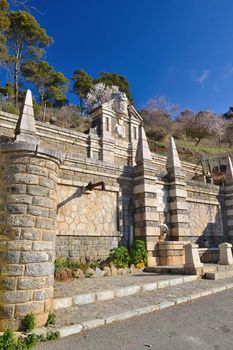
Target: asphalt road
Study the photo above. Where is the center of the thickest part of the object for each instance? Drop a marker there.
(206, 324)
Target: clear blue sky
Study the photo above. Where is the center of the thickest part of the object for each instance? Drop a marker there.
(179, 48)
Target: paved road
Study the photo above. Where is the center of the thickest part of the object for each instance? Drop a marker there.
(205, 324)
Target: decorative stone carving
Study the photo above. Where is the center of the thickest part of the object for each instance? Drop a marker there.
(120, 107)
(120, 130)
(163, 231)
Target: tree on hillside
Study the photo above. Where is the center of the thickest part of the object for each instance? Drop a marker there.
(4, 26)
(51, 85)
(202, 125)
(157, 116)
(26, 41)
(99, 94)
(229, 114)
(82, 84)
(112, 79)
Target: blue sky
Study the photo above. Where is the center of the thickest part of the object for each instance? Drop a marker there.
(179, 48)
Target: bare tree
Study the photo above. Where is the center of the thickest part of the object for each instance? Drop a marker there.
(201, 125)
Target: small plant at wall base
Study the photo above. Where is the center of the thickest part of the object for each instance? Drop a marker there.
(51, 319)
(120, 257)
(138, 254)
(29, 322)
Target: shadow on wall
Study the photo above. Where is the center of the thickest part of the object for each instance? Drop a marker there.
(215, 232)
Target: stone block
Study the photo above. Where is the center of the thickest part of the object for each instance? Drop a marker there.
(9, 257)
(20, 220)
(7, 311)
(38, 211)
(47, 246)
(105, 295)
(39, 269)
(83, 299)
(225, 254)
(38, 170)
(31, 283)
(69, 330)
(16, 208)
(123, 292)
(22, 310)
(36, 190)
(12, 297)
(48, 183)
(44, 294)
(61, 303)
(19, 199)
(25, 179)
(192, 258)
(45, 223)
(8, 283)
(12, 270)
(34, 257)
(17, 189)
(44, 202)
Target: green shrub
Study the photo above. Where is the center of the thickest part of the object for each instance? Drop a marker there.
(120, 257)
(51, 319)
(8, 341)
(138, 253)
(29, 322)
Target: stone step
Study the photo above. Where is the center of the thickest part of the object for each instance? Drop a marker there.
(78, 318)
(142, 285)
(219, 275)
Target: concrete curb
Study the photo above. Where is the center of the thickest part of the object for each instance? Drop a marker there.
(82, 326)
(88, 298)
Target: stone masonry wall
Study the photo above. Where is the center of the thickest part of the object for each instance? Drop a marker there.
(28, 213)
(207, 217)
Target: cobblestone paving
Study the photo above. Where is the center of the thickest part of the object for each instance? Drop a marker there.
(89, 285)
(102, 310)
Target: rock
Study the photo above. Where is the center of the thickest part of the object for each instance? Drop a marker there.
(133, 268)
(107, 271)
(78, 273)
(113, 271)
(125, 271)
(120, 271)
(99, 272)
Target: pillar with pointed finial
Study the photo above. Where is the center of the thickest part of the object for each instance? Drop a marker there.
(145, 199)
(26, 126)
(229, 198)
(179, 221)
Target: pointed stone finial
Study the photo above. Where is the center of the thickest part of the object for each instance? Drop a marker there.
(143, 150)
(26, 127)
(229, 171)
(173, 160)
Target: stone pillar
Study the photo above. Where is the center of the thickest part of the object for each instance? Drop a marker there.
(225, 254)
(193, 265)
(179, 220)
(145, 202)
(28, 188)
(229, 199)
(28, 210)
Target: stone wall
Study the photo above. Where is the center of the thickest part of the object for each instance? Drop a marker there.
(28, 213)
(207, 217)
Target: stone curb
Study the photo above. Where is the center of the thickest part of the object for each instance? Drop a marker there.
(88, 298)
(75, 329)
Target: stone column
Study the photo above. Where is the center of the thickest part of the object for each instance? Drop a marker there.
(179, 220)
(28, 188)
(145, 202)
(229, 199)
(28, 210)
